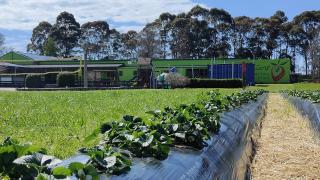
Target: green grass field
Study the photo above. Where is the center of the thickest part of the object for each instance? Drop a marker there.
(59, 121)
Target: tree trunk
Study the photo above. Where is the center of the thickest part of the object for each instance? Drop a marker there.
(294, 60)
(306, 62)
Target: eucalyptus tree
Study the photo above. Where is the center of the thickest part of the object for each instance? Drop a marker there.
(241, 33)
(66, 33)
(199, 13)
(273, 29)
(115, 45)
(200, 31)
(130, 44)
(50, 48)
(94, 39)
(163, 24)
(40, 35)
(199, 38)
(220, 23)
(181, 37)
(149, 42)
(314, 53)
(309, 21)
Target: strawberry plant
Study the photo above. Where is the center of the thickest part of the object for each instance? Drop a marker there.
(313, 96)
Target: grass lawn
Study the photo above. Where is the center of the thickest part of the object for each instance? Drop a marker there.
(59, 121)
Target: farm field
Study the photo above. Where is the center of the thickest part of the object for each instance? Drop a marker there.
(59, 121)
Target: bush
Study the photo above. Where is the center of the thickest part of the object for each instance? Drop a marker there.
(66, 79)
(176, 80)
(51, 78)
(34, 81)
(215, 83)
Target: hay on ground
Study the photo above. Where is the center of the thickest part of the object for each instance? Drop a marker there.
(287, 148)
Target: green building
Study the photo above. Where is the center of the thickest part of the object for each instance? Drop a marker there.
(266, 71)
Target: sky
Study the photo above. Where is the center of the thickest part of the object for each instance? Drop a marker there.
(19, 17)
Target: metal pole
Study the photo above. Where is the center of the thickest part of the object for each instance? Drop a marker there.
(211, 76)
(85, 74)
(232, 71)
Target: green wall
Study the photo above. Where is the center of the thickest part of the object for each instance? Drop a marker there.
(266, 71)
(272, 71)
(127, 73)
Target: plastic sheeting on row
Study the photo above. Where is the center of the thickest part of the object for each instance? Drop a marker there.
(226, 157)
(307, 109)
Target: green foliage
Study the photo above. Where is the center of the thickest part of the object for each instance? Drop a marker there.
(66, 33)
(61, 172)
(313, 96)
(34, 81)
(11, 165)
(105, 159)
(39, 37)
(50, 48)
(66, 79)
(215, 83)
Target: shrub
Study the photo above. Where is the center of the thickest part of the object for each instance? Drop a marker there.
(215, 83)
(176, 80)
(50, 78)
(66, 79)
(34, 81)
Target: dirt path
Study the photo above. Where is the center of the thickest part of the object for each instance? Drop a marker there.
(288, 148)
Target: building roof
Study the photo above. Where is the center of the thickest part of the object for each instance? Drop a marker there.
(9, 64)
(37, 57)
(73, 66)
(16, 55)
(4, 64)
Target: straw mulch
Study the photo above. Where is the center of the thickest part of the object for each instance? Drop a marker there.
(287, 148)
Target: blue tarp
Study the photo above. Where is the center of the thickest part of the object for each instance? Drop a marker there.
(232, 71)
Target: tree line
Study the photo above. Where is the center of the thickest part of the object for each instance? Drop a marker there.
(199, 33)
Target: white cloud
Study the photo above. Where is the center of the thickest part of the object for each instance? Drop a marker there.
(124, 15)
(26, 14)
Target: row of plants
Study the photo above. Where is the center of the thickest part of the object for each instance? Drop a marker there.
(313, 96)
(188, 126)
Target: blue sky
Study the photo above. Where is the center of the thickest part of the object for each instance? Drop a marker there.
(17, 18)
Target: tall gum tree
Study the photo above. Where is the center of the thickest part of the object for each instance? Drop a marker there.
(66, 33)
(94, 39)
(40, 35)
